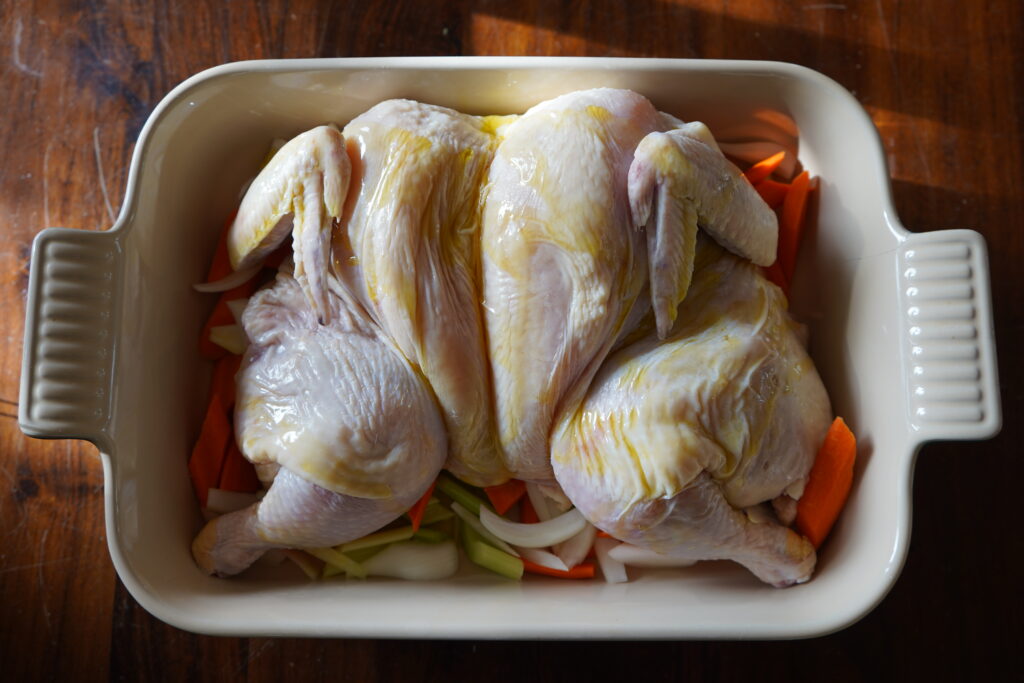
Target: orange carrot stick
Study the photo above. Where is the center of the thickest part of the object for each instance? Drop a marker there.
(580, 571)
(764, 168)
(222, 315)
(527, 515)
(504, 496)
(416, 511)
(773, 193)
(207, 458)
(791, 223)
(223, 384)
(775, 275)
(829, 483)
(238, 474)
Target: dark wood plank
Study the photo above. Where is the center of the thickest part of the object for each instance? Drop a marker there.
(943, 82)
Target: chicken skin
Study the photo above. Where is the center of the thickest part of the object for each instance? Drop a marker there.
(677, 437)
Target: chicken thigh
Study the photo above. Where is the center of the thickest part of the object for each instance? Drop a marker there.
(352, 427)
(677, 437)
(406, 250)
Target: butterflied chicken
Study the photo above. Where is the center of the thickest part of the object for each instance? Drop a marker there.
(679, 439)
(407, 251)
(565, 260)
(351, 426)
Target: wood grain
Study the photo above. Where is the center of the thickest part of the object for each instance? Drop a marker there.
(943, 81)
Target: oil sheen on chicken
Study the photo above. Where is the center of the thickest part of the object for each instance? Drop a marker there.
(407, 251)
(677, 437)
(352, 427)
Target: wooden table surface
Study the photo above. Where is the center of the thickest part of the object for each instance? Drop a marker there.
(943, 81)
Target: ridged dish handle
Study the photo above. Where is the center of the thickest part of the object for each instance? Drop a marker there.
(948, 336)
(66, 376)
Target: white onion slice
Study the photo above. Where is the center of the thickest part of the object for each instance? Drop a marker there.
(575, 550)
(543, 558)
(222, 502)
(472, 520)
(642, 557)
(415, 561)
(539, 535)
(230, 337)
(540, 502)
(239, 277)
(613, 570)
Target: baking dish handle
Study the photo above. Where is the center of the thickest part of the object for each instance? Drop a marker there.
(948, 336)
(70, 313)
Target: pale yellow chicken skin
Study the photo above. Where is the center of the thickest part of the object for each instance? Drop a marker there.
(406, 249)
(677, 437)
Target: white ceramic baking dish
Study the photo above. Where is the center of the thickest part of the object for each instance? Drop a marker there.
(901, 332)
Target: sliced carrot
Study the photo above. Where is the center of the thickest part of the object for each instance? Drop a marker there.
(791, 223)
(764, 168)
(238, 474)
(416, 511)
(222, 315)
(207, 458)
(775, 275)
(527, 515)
(604, 534)
(504, 496)
(223, 384)
(829, 483)
(773, 193)
(580, 571)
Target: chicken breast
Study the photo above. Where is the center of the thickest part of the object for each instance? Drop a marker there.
(562, 261)
(676, 437)
(407, 251)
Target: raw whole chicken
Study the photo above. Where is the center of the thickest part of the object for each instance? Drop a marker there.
(678, 439)
(565, 261)
(406, 250)
(458, 285)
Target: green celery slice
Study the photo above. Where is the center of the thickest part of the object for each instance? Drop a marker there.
(430, 535)
(435, 512)
(339, 560)
(380, 538)
(461, 495)
(363, 554)
(489, 557)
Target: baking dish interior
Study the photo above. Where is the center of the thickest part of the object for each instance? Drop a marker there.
(208, 138)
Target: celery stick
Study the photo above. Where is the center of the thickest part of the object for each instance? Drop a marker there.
(489, 557)
(430, 535)
(435, 513)
(461, 495)
(332, 556)
(380, 538)
(363, 554)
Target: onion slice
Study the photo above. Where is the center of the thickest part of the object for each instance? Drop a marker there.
(415, 561)
(575, 550)
(613, 570)
(642, 557)
(539, 535)
(473, 521)
(543, 558)
(239, 277)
